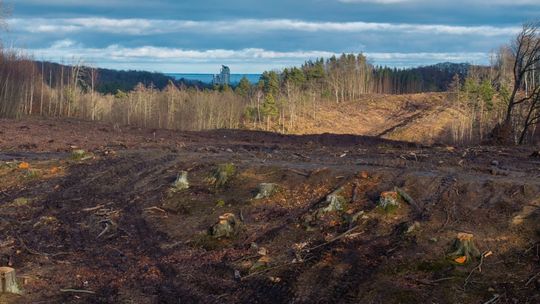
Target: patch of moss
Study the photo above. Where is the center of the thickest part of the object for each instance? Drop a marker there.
(389, 201)
(8, 165)
(46, 221)
(220, 203)
(31, 174)
(77, 154)
(258, 266)
(80, 154)
(21, 201)
(388, 209)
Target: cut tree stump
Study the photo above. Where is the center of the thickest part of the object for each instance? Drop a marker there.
(266, 190)
(227, 227)
(8, 281)
(181, 182)
(464, 249)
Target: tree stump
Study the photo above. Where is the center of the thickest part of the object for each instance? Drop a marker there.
(223, 174)
(464, 249)
(227, 227)
(8, 281)
(389, 201)
(266, 190)
(181, 183)
(335, 201)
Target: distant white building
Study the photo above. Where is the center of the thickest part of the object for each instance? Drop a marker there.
(224, 77)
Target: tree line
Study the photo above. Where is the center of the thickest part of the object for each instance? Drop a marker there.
(110, 81)
(500, 101)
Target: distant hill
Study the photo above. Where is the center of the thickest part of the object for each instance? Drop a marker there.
(430, 78)
(110, 81)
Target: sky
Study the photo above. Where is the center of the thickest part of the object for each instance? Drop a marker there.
(251, 36)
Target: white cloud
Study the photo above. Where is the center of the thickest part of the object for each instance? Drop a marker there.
(67, 48)
(245, 60)
(157, 26)
(62, 44)
(409, 59)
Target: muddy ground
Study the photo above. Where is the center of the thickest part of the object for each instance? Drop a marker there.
(106, 227)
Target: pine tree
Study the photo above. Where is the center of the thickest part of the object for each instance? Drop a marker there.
(271, 83)
(244, 87)
(269, 109)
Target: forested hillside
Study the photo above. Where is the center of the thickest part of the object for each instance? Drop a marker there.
(108, 81)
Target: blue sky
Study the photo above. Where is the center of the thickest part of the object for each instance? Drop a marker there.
(253, 36)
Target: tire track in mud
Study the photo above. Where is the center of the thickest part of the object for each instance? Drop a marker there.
(361, 258)
(123, 185)
(135, 180)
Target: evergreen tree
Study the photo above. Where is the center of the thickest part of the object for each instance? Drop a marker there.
(486, 92)
(271, 83)
(269, 109)
(244, 87)
(296, 77)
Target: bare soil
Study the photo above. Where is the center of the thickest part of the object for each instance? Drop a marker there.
(107, 229)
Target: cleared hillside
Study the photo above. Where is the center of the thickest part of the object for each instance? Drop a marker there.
(109, 224)
(425, 118)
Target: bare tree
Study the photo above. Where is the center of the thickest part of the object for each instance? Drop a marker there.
(533, 113)
(93, 79)
(526, 52)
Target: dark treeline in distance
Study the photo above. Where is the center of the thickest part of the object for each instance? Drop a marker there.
(348, 76)
(333, 71)
(108, 81)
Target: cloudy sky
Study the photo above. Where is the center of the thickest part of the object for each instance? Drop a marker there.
(256, 35)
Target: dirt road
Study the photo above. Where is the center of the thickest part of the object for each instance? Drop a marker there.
(106, 227)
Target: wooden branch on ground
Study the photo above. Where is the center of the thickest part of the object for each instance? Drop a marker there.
(532, 279)
(339, 237)
(77, 291)
(299, 172)
(266, 270)
(434, 282)
(495, 299)
(478, 267)
(34, 252)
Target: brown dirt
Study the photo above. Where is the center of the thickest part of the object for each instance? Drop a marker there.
(156, 249)
(425, 118)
